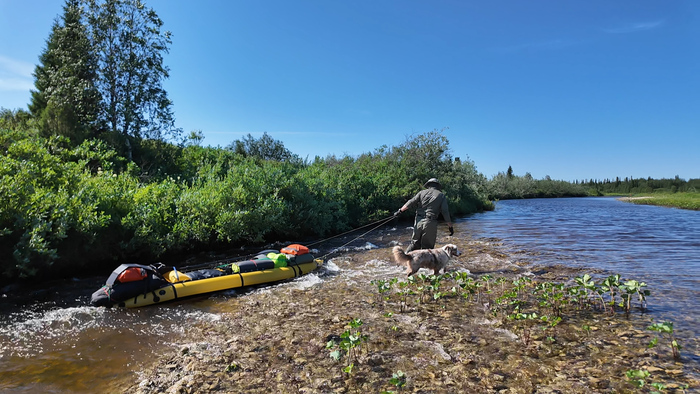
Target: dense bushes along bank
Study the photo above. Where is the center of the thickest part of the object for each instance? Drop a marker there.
(65, 208)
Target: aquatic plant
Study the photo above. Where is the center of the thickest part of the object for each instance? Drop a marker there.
(384, 286)
(666, 328)
(630, 288)
(487, 280)
(659, 386)
(637, 377)
(398, 379)
(588, 284)
(349, 343)
(348, 369)
(586, 328)
(610, 285)
(404, 292)
(552, 295)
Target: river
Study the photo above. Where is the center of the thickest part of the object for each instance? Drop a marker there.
(50, 341)
(656, 245)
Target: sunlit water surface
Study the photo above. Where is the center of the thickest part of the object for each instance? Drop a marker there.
(656, 245)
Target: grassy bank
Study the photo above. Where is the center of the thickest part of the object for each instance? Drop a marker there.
(674, 200)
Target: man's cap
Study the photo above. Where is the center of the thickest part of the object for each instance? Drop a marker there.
(433, 181)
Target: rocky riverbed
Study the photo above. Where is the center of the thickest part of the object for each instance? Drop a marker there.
(408, 339)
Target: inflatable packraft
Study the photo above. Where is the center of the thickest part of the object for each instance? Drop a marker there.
(135, 285)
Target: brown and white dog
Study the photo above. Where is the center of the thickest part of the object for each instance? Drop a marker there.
(434, 259)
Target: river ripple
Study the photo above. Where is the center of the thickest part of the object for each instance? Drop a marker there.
(657, 245)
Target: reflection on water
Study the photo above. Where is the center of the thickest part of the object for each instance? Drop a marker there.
(657, 245)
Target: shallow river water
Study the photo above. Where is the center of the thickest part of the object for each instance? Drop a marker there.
(50, 341)
(656, 245)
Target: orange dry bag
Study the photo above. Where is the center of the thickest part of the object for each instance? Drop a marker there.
(295, 249)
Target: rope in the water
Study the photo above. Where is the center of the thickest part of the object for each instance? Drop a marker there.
(224, 262)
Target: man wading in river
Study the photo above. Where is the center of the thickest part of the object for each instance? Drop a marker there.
(429, 203)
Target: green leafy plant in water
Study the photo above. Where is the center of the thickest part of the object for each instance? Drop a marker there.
(398, 379)
(519, 284)
(430, 287)
(510, 298)
(501, 280)
(350, 343)
(653, 342)
(552, 295)
(466, 284)
(551, 322)
(610, 285)
(630, 288)
(384, 286)
(586, 328)
(404, 291)
(637, 377)
(487, 280)
(348, 369)
(658, 386)
(666, 328)
(589, 285)
(523, 316)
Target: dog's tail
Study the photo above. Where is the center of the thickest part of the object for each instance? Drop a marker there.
(400, 256)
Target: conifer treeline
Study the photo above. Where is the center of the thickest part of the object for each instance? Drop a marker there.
(630, 185)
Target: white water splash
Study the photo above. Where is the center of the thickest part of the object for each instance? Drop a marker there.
(366, 246)
(29, 333)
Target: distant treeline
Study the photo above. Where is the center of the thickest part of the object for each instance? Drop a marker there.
(640, 185)
(506, 186)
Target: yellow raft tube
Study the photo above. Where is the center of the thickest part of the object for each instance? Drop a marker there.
(174, 291)
(176, 285)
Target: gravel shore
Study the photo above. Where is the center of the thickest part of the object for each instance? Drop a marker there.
(276, 340)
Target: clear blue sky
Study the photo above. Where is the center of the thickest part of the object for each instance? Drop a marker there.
(569, 89)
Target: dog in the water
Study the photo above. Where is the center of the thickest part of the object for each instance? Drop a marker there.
(434, 259)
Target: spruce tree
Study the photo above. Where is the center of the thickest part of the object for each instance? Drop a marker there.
(66, 101)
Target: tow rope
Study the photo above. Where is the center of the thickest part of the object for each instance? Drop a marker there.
(223, 262)
(381, 223)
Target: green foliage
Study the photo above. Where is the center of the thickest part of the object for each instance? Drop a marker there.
(374, 184)
(666, 330)
(66, 206)
(505, 186)
(264, 148)
(398, 379)
(45, 201)
(348, 344)
(129, 43)
(637, 377)
(18, 122)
